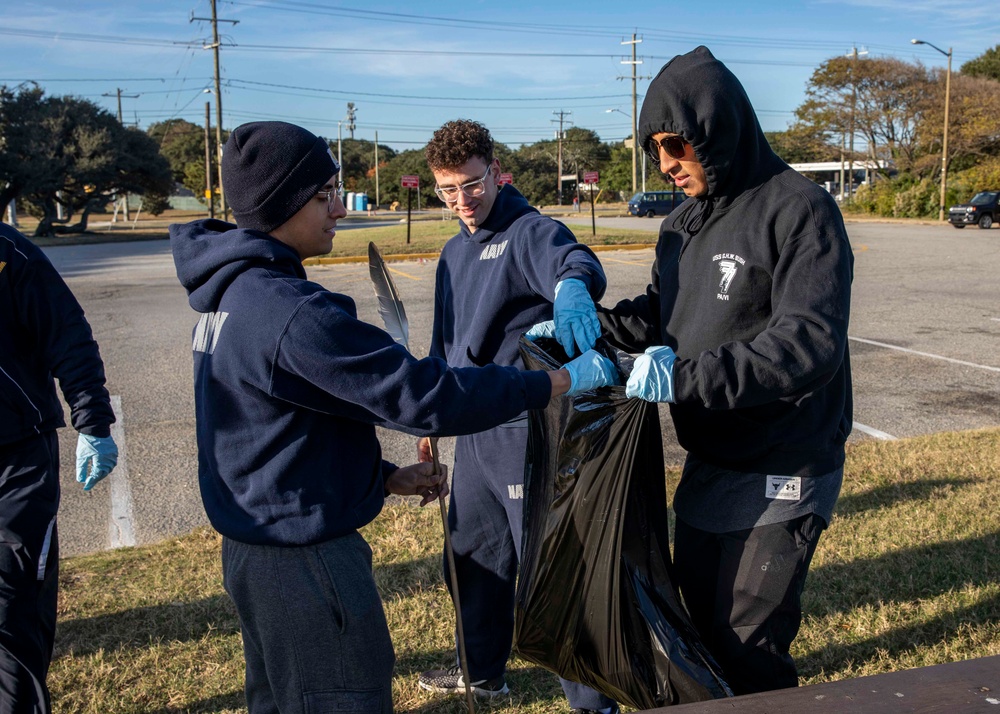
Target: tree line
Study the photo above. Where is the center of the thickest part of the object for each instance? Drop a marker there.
(896, 111)
(533, 166)
(65, 157)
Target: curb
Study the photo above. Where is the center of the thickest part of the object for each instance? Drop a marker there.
(401, 257)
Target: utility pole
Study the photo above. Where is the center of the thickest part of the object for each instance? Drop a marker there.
(218, 99)
(843, 141)
(208, 160)
(562, 116)
(635, 114)
(351, 112)
(854, 101)
(119, 94)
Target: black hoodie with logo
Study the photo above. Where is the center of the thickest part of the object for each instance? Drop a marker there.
(751, 287)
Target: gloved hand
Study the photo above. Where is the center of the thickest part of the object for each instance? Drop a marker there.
(590, 371)
(96, 457)
(542, 329)
(575, 316)
(652, 375)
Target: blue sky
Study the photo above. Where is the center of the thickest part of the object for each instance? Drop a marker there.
(411, 66)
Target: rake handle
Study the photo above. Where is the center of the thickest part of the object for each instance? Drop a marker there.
(450, 552)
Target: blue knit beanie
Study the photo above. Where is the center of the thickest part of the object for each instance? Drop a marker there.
(270, 169)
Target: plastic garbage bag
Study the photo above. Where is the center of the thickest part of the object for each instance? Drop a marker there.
(595, 599)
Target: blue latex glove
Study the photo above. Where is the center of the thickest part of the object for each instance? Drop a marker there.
(575, 316)
(652, 375)
(96, 457)
(542, 329)
(590, 371)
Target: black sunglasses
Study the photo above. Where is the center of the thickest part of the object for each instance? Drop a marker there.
(675, 147)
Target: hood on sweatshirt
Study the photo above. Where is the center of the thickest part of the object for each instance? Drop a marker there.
(696, 96)
(209, 254)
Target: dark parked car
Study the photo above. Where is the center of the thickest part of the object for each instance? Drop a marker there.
(653, 203)
(983, 210)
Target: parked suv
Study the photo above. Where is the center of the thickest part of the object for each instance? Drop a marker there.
(652, 203)
(982, 209)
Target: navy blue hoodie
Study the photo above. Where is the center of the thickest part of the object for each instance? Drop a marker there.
(751, 288)
(494, 284)
(44, 335)
(289, 385)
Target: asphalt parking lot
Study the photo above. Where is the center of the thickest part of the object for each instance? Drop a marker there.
(924, 349)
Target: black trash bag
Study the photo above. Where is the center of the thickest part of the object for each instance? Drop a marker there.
(595, 599)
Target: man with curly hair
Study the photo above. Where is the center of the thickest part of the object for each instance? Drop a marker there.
(507, 269)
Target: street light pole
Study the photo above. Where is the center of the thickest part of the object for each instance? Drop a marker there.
(208, 161)
(340, 158)
(615, 109)
(635, 114)
(944, 141)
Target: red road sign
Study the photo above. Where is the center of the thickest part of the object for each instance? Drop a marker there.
(410, 181)
(506, 178)
(590, 176)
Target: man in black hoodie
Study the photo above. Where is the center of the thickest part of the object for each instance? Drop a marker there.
(744, 328)
(44, 337)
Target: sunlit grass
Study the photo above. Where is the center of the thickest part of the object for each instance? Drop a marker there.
(906, 576)
(430, 236)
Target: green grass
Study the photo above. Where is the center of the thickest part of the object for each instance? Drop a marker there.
(428, 232)
(430, 236)
(906, 576)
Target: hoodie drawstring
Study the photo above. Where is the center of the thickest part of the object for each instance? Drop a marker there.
(693, 218)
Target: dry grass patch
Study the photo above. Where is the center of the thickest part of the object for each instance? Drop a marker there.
(906, 576)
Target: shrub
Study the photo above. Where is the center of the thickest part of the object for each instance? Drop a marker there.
(920, 200)
(874, 199)
(965, 184)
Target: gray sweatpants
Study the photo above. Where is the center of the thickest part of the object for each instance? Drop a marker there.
(315, 636)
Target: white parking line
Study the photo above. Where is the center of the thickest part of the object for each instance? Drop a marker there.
(926, 354)
(120, 531)
(874, 432)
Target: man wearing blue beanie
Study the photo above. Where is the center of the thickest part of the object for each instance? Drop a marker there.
(289, 386)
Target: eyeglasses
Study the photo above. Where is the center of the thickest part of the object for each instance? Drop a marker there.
(331, 195)
(449, 194)
(675, 147)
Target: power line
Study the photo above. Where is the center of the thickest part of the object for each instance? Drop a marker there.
(424, 97)
(493, 25)
(183, 44)
(101, 39)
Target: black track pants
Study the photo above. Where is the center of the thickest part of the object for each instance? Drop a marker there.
(743, 590)
(29, 571)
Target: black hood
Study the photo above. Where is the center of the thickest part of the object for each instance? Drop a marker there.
(696, 96)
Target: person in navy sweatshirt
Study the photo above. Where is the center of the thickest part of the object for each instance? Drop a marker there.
(44, 336)
(743, 332)
(289, 386)
(508, 268)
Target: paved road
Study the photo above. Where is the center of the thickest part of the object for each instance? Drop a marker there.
(924, 337)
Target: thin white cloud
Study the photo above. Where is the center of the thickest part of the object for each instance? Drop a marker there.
(937, 12)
